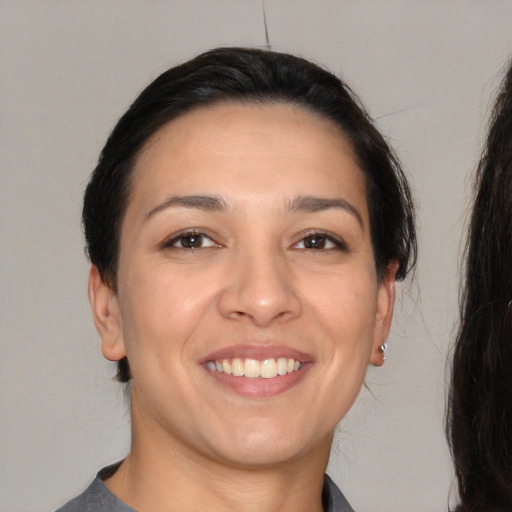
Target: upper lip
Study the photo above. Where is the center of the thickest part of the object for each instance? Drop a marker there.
(258, 352)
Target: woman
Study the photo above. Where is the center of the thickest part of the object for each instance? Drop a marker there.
(479, 422)
(245, 224)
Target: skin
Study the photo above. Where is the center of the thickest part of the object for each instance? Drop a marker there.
(251, 283)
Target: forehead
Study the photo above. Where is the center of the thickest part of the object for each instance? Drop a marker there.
(233, 149)
(226, 115)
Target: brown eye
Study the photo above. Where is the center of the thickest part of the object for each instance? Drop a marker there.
(314, 242)
(321, 242)
(190, 240)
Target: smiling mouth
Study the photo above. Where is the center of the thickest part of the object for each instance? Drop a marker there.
(254, 368)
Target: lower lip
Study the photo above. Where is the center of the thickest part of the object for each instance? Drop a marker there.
(259, 387)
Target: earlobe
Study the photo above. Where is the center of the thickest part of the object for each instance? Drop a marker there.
(107, 316)
(384, 315)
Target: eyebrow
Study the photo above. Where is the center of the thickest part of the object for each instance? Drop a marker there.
(304, 203)
(199, 202)
(317, 204)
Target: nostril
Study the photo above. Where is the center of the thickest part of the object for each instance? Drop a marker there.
(261, 292)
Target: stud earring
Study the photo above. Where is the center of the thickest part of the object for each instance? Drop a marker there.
(383, 349)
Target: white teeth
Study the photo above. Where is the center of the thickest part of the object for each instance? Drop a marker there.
(282, 366)
(252, 368)
(238, 367)
(268, 368)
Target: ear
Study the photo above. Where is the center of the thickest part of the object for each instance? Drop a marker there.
(107, 316)
(384, 315)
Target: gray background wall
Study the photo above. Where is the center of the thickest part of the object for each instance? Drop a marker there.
(425, 69)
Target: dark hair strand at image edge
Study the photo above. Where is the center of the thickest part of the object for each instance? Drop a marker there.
(479, 416)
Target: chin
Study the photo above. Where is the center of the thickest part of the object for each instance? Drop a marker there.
(259, 447)
(257, 456)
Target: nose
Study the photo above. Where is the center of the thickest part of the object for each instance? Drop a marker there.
(261, 290)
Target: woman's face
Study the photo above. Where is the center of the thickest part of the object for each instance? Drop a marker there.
(245, 249)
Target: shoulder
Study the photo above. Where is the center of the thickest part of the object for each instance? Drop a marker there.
(97, 498)
(333, 499)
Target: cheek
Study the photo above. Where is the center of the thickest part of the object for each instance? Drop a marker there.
(345, 312)
(346, 302)
(160, 310)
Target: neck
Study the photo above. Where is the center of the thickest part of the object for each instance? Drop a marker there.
(161, 474)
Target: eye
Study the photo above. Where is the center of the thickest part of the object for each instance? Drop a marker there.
(320, 241)
(190, 240)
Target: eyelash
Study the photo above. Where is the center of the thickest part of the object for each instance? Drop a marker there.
(323, 237)
(336, 241)
(171, 244)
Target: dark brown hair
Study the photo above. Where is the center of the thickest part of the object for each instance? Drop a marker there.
(479, 420)
(250, 76)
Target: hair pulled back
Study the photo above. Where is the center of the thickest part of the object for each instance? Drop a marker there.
(247, 76)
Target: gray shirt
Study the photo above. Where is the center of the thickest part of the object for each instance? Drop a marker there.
(97, 498)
